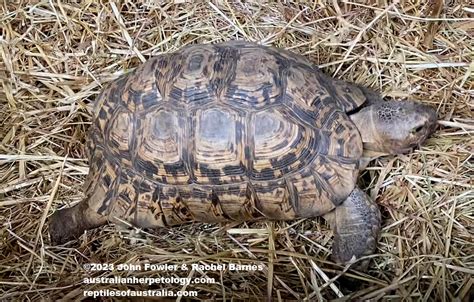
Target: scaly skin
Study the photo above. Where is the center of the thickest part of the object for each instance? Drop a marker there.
(356, 226)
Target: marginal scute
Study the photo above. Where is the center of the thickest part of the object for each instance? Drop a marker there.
(140, 90)
(336, 175)
(123, 203)
(103, 110)
(173, 208)
(347, 96)
(199, 201)
(345, 140)
(237, 201)
(306, 88)
(275, 200)
(314, 194)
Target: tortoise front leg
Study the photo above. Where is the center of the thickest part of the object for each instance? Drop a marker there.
(356, 226)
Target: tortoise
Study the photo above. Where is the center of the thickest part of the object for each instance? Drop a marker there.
(235, 132)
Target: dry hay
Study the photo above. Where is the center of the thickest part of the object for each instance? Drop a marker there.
(56, 57)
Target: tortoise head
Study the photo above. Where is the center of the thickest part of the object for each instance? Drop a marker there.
(394, 127)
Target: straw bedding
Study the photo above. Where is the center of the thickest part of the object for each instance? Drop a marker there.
(55, 58)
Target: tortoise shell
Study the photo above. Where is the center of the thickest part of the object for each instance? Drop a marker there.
(231, 131)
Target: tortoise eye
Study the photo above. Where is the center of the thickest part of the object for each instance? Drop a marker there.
(417, 129)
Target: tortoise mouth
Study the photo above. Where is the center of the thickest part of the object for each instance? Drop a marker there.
(416, 141)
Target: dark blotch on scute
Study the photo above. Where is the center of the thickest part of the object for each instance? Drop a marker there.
(265, 174)
(149, 99)
(213, 174)
(284, 162)
(175, 169)
(339, 129)
(308, 116)
(233, 170)
(215, 199)
(195, 62)
(176, 94)
(144, 187)
(325, 175)
(148, 167)
(156, 194)
(124, 196)
(120, 85)
(136, 183)
(225, 55)
(102, 114)
(172, 192)
(320, 142)
(107, 180)
(248, 152)
(215, 180)
(289, 159)
(104, 207)
(216, 202)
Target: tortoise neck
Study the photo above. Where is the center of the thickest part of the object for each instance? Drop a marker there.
(364, 121)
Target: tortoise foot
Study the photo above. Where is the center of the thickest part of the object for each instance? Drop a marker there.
(63, 226)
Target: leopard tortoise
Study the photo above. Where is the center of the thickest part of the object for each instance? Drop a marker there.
(235, 132)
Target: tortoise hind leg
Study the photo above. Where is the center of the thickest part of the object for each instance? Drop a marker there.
(70, 223)
(356, 226)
